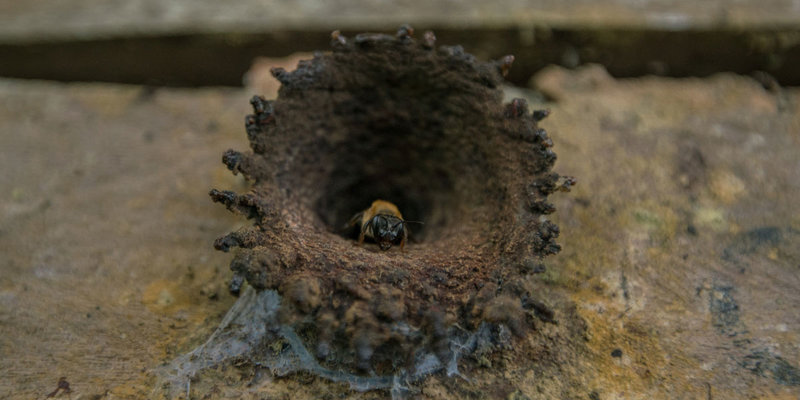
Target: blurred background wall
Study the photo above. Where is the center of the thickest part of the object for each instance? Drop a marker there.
(206, 42)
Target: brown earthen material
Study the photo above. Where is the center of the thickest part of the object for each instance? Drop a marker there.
(390, 117)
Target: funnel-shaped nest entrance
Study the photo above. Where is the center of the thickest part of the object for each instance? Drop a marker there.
(386, 117)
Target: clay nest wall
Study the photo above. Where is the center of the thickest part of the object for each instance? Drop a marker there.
(394, 118)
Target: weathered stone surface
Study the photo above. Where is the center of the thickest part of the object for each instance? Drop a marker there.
(105, 231)
(679, 244)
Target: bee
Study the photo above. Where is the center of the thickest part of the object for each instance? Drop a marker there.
(382, 222)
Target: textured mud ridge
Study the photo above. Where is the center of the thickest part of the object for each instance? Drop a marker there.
(395, 118)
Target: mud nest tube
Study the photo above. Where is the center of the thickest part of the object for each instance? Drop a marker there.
(393, 118)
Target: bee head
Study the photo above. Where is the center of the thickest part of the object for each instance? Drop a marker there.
(387, 230)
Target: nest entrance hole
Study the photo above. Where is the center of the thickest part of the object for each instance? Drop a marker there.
(388, 166)
(417, 148)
